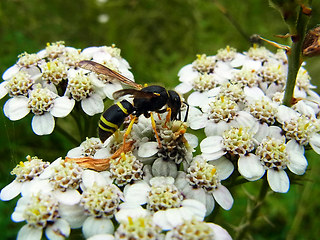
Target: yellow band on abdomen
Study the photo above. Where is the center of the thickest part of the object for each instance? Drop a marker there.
(105, 129)
(109, 124)
(122, 108)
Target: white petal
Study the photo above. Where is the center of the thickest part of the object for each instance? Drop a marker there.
(285, 113)
(197, 208)
(35, 186)
(210, 203)
(28, 232)
(136, 193)
(148, 149)
(73, 214)
(167, 219)
(102, 237)
(133, 211)
(92, 105)
(197, 98)
(60, 229)
(10, 191)
(278, 180)
(213, 156)
(211, 144)
(183, 88)
(90, 177)
(3, 89)
(16, 108)
(297, 161)
(253, 93)
(213, 129)
(275, 132)
(245, 119)
(223, 197)
(198, 121)
(314, 142)
(62, 106)
(224, 167)
(93, 226)
(250, 167)
(191, 139)
(219, 232)
(69, 197)
(75, 152)
(111, 88)
(43, 124)
(10, 72)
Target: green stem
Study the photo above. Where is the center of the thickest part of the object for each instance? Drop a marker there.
(253, 214)
(295, 57)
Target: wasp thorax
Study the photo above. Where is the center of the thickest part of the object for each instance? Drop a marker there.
(101, 201)
(28, 170)
(54, 71)
(223, 109)
(41, 100)
(41, 210)
(20, 84)
(200, 174)
(79, 86)
(28, 60)
(272, 153)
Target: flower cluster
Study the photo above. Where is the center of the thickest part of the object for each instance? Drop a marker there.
(145, 180)
(236, 98)
(49, 83)
(140, 187)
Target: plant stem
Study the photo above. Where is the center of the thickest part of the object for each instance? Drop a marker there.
(295, 57)
(253, 213)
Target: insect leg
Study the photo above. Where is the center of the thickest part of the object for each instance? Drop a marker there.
(168, 117)
(155, 130)
(126, 134)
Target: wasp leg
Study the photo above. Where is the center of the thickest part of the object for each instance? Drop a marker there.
(126, 134)
(168, 117)
(155, 130)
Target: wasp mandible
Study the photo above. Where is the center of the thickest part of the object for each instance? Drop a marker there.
(153, 98)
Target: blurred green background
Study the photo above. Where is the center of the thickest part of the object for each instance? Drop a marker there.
(157, 38)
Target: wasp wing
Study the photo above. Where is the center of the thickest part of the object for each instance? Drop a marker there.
(135, 93)
(100, 69)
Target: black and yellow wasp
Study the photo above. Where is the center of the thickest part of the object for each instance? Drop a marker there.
(146, 100)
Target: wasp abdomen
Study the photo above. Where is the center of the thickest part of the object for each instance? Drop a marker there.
(113, 118)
